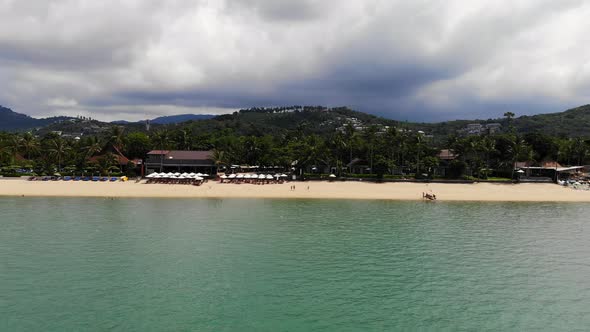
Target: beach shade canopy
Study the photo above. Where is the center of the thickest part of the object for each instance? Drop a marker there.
(204, 175)
(262, 176)
(520, 171)
(199, 174)
(232, 176)
(152, 175)
(332, 175)
(247, 176)
(169, 174)
(269, 177)
(240, 176)
(223, 176)
(192, 174)
(177, 174)
(184, 174)
(198, 178)
(284, 175)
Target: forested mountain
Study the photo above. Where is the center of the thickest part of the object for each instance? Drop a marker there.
(571, 123)
(171, 119)
(308, 119)
(10, 120)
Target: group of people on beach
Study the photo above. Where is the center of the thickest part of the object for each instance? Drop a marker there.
(428, 195)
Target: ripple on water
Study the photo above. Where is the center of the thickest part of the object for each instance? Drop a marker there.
(292, 265)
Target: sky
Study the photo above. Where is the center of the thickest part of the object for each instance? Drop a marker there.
(413, 60)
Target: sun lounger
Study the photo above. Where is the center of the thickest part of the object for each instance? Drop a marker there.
(96, 178)
(67, 178)
(113, 179)
(77, 178)
(104, 179)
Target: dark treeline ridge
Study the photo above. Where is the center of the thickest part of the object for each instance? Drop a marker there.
(309, 139)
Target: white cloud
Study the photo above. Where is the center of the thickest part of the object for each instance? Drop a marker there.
(430, 59)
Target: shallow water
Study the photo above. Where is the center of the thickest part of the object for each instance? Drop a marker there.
(292, 265)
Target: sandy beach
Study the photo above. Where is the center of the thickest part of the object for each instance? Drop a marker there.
(528, 192)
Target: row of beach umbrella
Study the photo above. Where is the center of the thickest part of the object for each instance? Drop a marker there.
(194, 176)
(254, 176)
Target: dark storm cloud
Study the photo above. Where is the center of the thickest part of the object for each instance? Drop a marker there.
(419, 60)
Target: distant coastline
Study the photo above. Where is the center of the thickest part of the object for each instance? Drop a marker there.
(484, 192)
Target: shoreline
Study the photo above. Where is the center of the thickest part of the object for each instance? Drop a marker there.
(477, 192)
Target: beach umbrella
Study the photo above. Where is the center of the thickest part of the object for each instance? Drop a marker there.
(284, 175)
(191, 174)
(205, 175)
(223, 176)
(232, 176)
(199, 174)
(332, 175)
(520, 171)
(240, 176)
(261, 176)
(247, 176)
(269, 177)
(198, 178)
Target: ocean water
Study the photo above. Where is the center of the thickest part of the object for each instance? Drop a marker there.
(292, 265)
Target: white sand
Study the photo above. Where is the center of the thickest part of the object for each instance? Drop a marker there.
(317, 190)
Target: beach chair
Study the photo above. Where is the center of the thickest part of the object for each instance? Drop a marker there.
(86, 178)
(67, 178)
(77, 178)
(113, 179)
(104, 179)
(96, 178)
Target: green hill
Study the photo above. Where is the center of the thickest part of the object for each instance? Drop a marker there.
(571, 123)
(309, 120)
(12, 121)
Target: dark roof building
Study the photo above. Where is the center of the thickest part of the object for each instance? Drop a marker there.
(176, 160)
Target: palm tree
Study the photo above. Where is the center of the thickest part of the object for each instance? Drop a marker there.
(350, 138)
(579, 150)
(185, 141)
(57, 149)
(518, 150)
(161, 140)
(391, 136)
(220, 158)
(338, 145)
(371, 136)
(8, 148)
(29, 145)
(488, 145)
(94, 146)
(107, 163)
(117, 137)
(6, 154)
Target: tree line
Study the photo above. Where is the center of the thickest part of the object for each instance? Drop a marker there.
(384, 152)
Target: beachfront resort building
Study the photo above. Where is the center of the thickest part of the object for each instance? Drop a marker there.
(179, 161)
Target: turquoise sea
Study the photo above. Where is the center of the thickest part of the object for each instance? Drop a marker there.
(292, 265)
